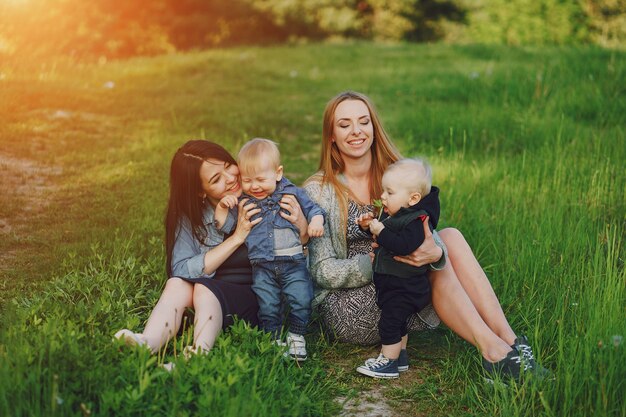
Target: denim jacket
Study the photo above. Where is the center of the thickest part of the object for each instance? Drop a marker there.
(260, 241)
(188, 253)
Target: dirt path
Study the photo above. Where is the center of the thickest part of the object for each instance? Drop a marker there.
(367, 404)
(25, 184)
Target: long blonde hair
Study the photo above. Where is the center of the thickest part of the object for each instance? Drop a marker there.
(331, 165)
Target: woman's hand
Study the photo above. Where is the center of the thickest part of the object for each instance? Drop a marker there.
(427, 253)
(244, 224)
(295, 216)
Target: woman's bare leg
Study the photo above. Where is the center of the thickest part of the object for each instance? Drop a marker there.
(208, 318)
(476, 284)
(456, 310)
(166, 316)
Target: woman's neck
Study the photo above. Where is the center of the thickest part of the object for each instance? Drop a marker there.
(358, 169)
(357, 174)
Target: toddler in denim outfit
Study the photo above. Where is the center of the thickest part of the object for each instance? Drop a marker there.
(279, 267)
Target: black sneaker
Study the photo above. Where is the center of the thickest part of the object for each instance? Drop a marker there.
(511, 367)
(380, 368)
(403, 361)
(526, 352)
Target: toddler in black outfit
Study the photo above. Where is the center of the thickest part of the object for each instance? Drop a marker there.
(401, 290)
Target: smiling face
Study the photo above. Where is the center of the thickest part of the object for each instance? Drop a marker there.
(261, 182)
(353, 132)
(219, 179)
(398, 192)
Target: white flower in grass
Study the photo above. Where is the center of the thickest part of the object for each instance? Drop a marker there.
(617, 340)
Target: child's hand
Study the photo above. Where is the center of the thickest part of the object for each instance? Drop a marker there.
(364, 220)
(221, 210)
(316, 227)
(228, 201)
(376, 227)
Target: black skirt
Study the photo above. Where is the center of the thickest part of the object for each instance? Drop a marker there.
(232, 287)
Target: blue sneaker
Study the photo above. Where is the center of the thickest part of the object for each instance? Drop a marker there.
(403, 361)
(380, 368)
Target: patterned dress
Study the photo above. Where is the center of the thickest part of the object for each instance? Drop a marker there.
(351, 315)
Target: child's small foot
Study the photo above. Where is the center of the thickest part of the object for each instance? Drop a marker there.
(403, 361)
(279, 343)
(190, 351)
(297, 347)
(381, 367)
(130, 338)
(169, 366)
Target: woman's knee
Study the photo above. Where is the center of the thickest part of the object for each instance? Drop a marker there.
(451, 235)
(178, 285)
(202, 296)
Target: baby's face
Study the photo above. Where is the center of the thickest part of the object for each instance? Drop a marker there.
(396, 192)
(261, 183)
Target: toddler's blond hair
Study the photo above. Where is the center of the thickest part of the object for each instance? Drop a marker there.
(256, 153)
(416, 173)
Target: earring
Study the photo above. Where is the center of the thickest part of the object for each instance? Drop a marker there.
(204, 199)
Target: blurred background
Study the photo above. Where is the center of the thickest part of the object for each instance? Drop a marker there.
(106, 29)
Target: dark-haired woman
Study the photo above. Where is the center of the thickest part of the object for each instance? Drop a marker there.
(208, 270)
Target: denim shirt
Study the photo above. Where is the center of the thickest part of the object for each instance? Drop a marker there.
(188, 253)
(260, 241)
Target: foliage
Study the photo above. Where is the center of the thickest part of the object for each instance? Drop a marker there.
(105, 28)
(606, 21)
(372, 19)
(540, 22)
(110, 29)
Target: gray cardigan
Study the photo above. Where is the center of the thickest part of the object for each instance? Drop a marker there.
(328, 255)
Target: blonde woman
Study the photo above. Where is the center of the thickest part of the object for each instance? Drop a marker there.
(356, 150)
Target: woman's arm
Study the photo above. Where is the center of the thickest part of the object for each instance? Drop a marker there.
(329, 268)
(216, 257)
(189, 261)
(331, 271)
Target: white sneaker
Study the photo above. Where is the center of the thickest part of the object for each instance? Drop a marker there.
(279, 343)
(130, 338)
(169, 366)
(297, 347)
(190, 351)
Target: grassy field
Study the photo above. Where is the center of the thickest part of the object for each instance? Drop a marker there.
(528, 146)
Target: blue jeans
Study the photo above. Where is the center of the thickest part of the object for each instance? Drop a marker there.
(286, 276)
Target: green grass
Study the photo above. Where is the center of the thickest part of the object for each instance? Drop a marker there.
(528, 147)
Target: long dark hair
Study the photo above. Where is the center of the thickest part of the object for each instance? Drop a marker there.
(185, 201)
